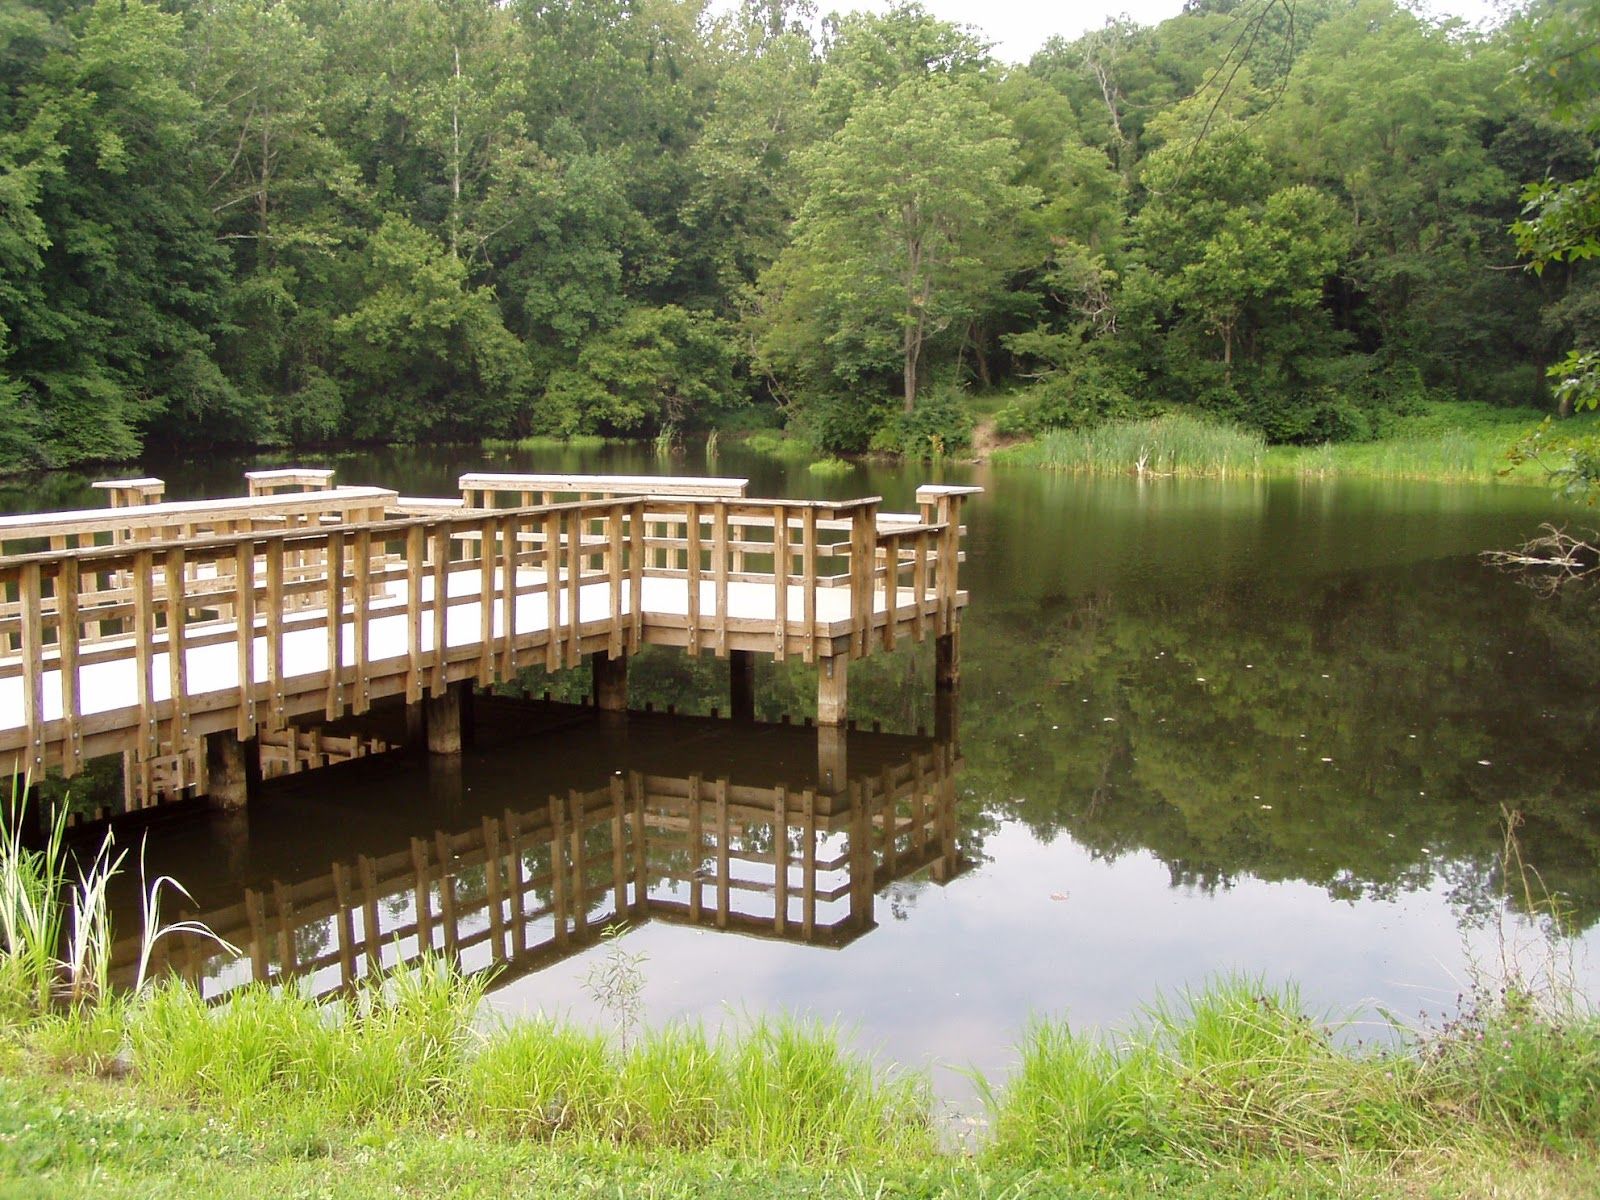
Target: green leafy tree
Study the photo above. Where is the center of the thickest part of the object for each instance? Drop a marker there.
(425, 353)
(1560, 44)
(1225, 260)
(659, 367)
(1395, 116)
(897, 235)
(110, 316)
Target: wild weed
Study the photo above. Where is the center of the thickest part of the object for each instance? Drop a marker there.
(1522, 1053)
(616, 982)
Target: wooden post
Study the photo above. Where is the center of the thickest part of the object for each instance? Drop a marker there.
(833, 762)
(610, 682)
(416, 724)
(448, 719)
(946, 723)
(742, 684)
(947, 662)
(832, 689)
(233, 770)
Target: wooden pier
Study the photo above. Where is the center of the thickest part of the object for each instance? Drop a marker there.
(146, 627)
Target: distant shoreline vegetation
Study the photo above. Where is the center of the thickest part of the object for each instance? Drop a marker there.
(591, 219)
(1445, 441)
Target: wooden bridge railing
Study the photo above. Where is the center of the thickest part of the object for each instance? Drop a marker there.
(125, 646)
(144, 641)
(184, 520)
(528, 888)
(487, 489)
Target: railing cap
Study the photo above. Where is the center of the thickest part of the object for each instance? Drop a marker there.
(935, 490)
(290, 473)
(626, 484)
(149, 483)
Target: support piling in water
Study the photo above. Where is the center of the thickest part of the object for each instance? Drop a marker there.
(833, 690)
(610, 681)
(448, 719)
(233, 770)
(742, 685)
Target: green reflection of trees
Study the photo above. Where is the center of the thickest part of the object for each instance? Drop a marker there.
(1332, 731)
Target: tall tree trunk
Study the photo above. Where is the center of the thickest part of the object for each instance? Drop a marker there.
(913, 348)
(455, 162)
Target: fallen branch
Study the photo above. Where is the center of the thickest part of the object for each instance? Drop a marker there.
(1552, 560)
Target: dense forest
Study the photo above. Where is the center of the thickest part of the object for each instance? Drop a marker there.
(310, 221)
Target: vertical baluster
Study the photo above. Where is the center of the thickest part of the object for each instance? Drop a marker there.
(333, 614)
(440, 548)
(144, 619)
(68, 632)
(275, 627)
(692, 534)
(613, 526)
(919, 586)
(416, 550)
(177, 655)
(361, 613)
(574, 586)
(487, 530)
(719, 565)
(552, 589)
(636, 531)
(808, 581)
(780, 582)
(29, 586)
(244, 632)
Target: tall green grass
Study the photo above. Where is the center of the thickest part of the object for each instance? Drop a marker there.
(55, 929)
(1448, 454)
(1231, 1072)
(1176, 444)
(404, 1050)
(1237, 1072)
(776, 444)
(577, 441)
(831, 468)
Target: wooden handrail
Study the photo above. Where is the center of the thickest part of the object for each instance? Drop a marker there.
(139, 629)
(486, 484)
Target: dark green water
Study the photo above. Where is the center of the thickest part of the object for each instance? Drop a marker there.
(1265, 727)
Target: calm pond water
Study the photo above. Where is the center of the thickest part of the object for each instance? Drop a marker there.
(1205, 727)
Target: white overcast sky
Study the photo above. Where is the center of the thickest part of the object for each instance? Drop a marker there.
(1019, 27)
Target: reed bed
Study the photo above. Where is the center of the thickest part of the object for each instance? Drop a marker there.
(1175, 444)
(577, 441)
(1449, 454)
(831, 468)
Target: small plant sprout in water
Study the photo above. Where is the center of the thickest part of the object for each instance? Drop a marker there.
(616, 982)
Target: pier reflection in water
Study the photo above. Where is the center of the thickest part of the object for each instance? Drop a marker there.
(512, 860)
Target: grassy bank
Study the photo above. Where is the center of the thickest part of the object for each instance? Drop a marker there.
(1445, 441)
(1236, 1093)
(397, 1089)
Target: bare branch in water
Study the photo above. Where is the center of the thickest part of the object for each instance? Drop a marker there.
(1551, 561)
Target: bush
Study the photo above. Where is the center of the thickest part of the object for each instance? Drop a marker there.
(939, 425)
(1074, 398)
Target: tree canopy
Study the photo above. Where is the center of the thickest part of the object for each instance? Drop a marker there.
(303, 221)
